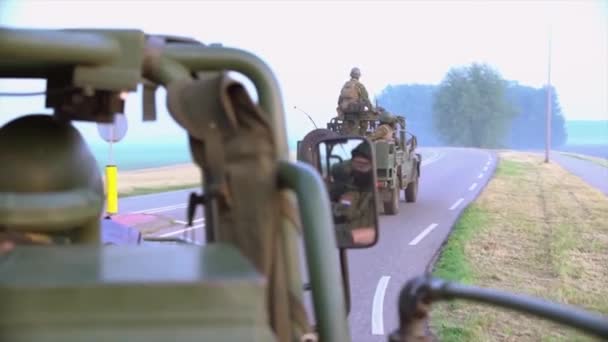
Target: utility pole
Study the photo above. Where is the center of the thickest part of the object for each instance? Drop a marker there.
(548, 128)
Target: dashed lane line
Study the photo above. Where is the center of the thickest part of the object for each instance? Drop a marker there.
(160, 209)
(455, 205)
(182, 230)
(193, 221)
(423, 234)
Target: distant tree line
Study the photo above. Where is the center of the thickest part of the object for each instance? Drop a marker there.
(474, 106)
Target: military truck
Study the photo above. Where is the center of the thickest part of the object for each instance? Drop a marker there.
(397, 163)
(245, 282)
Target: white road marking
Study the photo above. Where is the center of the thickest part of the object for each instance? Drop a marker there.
(434, 157)
(472, 187)
(431, 160)
(480, 175)
(193, 221)
(192, 241)
(455, 205)
(485, 168)
(182, 230)
(378, 306)
(160, 209)
(423, 234)
(183, 206)
(488, 163)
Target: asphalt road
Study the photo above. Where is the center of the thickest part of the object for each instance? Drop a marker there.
(451, 178)
(410, 240)
(594, 174)
(598, 150)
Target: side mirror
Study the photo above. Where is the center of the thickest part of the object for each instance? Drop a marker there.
(347, 164)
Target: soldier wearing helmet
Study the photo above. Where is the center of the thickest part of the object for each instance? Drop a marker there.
(386, 129)
(353, 96)
(51, 190)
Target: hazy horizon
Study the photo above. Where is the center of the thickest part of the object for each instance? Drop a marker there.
(392, 42)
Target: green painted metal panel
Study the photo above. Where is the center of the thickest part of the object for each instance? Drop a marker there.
(382, 153)
(58, 47)
(121, 293)
(123, 73)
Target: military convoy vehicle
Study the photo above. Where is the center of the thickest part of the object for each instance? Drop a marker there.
(397, 163)
(245, 282)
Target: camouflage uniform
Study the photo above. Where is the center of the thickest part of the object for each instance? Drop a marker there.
(352, 100)
(383, 132)
(353, 97)
(386, 130)
(358, 208)
(353, 204)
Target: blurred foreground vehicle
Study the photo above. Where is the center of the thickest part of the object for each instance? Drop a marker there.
(245, 284)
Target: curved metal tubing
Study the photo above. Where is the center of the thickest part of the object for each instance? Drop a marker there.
(320, 246)
(205, 58)
(57, 47)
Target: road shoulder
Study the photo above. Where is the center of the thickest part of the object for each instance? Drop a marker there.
(593, 173)
(536, 229)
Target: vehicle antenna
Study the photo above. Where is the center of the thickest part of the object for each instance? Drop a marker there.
(313, 121)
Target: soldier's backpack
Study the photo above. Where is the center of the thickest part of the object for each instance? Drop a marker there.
(349, 97)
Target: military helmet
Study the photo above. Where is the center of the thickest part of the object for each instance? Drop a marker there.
(355, 73)
(362, 150)
(50, 180)
(386, 117)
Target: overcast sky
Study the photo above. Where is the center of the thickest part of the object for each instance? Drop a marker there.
(311, 45)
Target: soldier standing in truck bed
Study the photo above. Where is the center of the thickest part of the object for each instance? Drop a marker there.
(354, 100)
(353, 96)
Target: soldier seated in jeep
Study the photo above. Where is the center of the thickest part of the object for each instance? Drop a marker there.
(386, 130)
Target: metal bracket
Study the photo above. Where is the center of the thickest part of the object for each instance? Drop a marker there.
(194, 201)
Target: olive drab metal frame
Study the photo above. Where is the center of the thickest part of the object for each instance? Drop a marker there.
(119, 60)
(107, 63)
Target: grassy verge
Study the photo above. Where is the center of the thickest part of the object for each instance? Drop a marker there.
(537, 230)
(600, 161)
(151, 190)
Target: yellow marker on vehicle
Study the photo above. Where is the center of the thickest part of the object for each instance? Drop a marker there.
(112, 133)
(111, 189)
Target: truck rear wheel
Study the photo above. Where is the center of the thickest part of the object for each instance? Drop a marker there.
(391, 207)
(411, 192)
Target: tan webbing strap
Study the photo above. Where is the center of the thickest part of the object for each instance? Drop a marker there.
(232, 139)
(298, 313)
(289, 210)
(195, 106)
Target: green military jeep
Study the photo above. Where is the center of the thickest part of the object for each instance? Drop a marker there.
(397, 168)
(397, 163)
